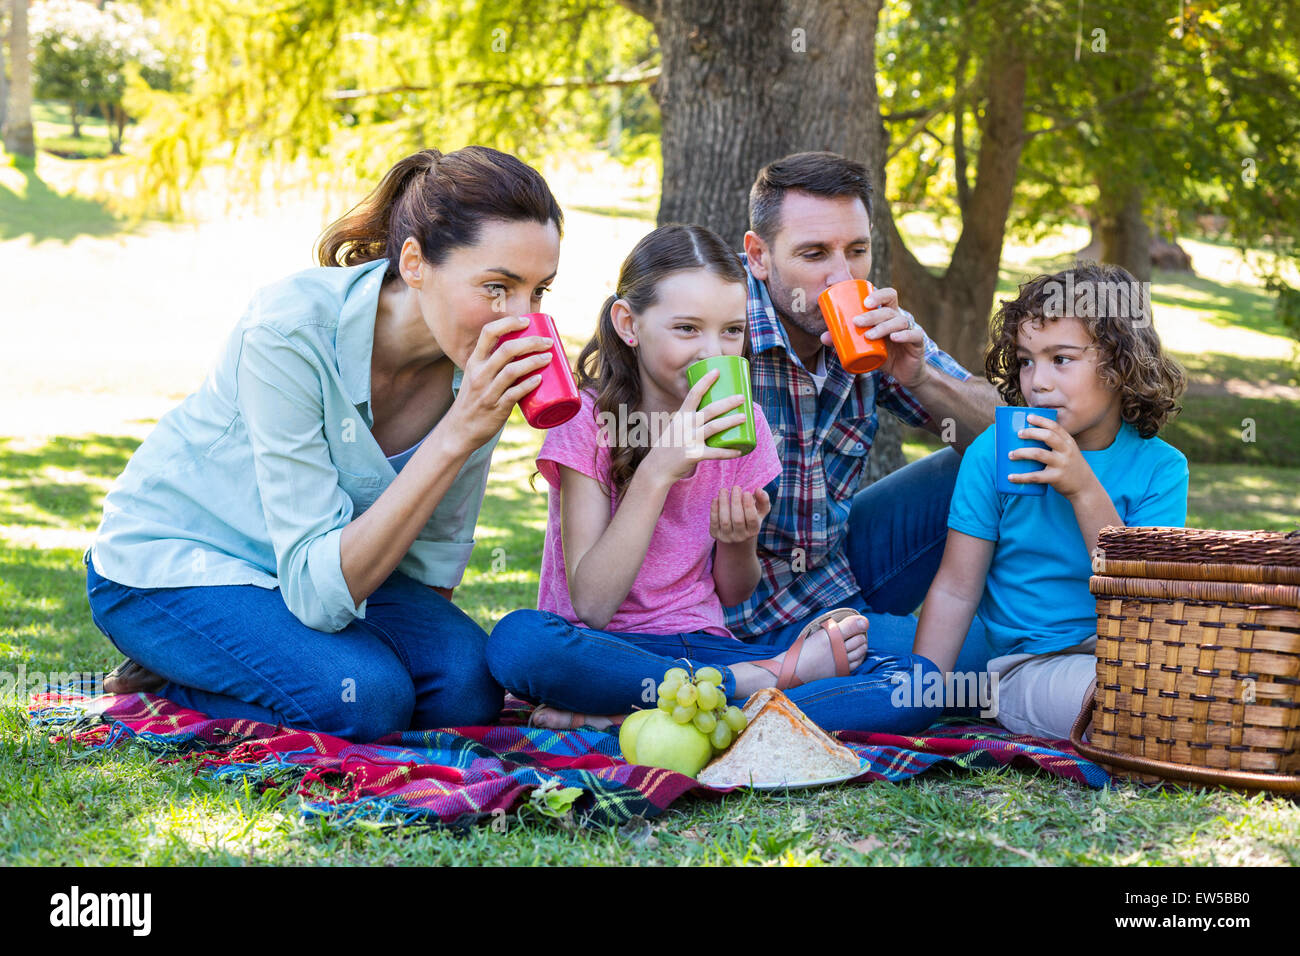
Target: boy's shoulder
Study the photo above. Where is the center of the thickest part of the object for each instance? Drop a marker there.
(981, 450)
(1155, 450)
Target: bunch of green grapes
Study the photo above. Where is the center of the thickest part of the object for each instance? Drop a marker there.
(702, 701)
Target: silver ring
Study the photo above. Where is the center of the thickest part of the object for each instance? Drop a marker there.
(911, 320)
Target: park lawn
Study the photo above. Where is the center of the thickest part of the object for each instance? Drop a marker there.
(52, 125)
(62, 804)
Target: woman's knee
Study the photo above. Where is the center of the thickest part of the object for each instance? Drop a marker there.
(375, 698)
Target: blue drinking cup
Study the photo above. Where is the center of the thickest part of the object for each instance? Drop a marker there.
(1008, 421)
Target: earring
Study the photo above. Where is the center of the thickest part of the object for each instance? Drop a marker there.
(631, 342)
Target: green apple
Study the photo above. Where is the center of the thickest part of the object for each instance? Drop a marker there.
(627, 734)
(659, 741)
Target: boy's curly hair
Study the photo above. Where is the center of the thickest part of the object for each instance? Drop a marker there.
(1114, 308)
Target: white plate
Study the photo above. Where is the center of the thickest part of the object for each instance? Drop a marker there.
(802, 784)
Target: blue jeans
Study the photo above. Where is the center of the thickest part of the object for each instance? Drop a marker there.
(897, 530)
(542, 657)
(415, 661)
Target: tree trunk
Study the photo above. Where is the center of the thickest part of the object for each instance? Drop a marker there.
(118, 122)
(954, 307)
(4, 82)
(76, 121)
(1122, 229)
(19, 138)
(744, 84)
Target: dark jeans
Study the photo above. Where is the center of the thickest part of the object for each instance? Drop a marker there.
(897, 530)
(896, 535)
(415, 661)
(540, 656)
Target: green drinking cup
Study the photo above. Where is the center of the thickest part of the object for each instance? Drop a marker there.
(733, 379)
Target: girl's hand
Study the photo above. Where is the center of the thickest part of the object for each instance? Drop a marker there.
(736, 515)
(493, 382)
(680, 445)
(1065, 468)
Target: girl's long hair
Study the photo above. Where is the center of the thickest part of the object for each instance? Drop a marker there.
(440, 200)
(607, 364)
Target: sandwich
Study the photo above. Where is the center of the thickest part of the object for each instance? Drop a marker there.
(779, 745)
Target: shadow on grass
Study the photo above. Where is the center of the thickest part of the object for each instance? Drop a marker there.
(40, 212)
(44, 612)
(1231, 429)
(1225, 304)
(60, 484)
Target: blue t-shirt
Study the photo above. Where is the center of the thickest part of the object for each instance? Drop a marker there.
(1036, 597)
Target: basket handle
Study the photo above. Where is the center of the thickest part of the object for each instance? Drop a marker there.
(1176, 771)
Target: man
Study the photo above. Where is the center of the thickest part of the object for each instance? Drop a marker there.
(825, 544)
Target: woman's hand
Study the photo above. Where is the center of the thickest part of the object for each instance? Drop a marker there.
(494, 381)
(680, 445)
(736, 516)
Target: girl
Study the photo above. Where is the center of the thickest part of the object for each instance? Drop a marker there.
(1022, 563)
(284, 545)
(647, 540)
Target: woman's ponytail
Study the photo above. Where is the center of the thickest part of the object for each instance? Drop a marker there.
(441, 201)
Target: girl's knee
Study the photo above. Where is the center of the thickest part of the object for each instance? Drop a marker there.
(918, 696)
(516, 643)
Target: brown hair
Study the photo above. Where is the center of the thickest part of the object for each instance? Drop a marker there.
(822, 174)
(441, 201)
(609, 365)
(1133, 362)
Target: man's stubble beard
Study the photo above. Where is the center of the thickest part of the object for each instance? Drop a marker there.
(810, 322)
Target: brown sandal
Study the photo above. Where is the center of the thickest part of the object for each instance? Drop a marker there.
(828, 622)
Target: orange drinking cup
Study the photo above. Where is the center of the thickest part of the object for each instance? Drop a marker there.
(839, 304)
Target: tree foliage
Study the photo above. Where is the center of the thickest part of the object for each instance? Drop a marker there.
(1194, 105)
(83, 55)
(280, 80)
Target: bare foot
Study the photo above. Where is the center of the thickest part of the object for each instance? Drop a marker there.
(553, 718)
(129, 677)
(816, 660)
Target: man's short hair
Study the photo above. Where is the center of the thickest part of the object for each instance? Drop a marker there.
(822, 174)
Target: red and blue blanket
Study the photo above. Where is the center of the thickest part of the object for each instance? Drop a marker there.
(462, 775)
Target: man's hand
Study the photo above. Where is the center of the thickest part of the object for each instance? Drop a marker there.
(883, 317)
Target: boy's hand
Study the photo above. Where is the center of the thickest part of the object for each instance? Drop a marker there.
(735, 516)
(1065, 468)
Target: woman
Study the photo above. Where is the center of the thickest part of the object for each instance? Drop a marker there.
(284, 544)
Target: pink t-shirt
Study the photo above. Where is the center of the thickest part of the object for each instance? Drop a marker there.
(674, 591)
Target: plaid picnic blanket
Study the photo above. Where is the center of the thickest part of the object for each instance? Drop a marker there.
(463, 775)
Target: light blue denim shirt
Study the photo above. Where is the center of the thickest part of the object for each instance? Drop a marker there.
(252, 478)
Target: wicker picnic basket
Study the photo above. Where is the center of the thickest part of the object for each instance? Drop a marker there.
(1198, 656)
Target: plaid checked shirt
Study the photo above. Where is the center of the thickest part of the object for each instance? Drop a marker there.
(823, 441)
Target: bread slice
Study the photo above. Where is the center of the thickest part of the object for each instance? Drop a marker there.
(780, 745)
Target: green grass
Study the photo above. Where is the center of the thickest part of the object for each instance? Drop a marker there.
(52, 124)
(29, 207)
(63, 804)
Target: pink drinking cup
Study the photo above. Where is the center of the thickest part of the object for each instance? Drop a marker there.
(555, 400)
